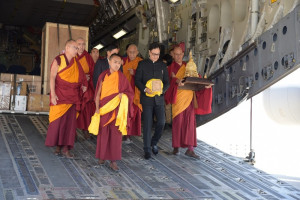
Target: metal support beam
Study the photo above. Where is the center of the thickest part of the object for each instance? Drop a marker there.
(274, 55)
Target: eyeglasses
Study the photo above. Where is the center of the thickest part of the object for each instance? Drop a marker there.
(154, 54)
(74, 47)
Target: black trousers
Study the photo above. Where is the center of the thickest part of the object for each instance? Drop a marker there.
(148, 111)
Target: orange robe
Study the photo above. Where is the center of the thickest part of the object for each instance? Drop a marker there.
(109, 140)
(135, 121)
(62, 117)
(183, 111)
(88, 103)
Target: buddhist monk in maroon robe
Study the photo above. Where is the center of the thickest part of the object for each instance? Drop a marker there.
(130, 64)
(112, 84)
(183, 110)
(88, 103)
(67, 84)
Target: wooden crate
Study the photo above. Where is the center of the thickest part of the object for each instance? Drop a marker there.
(52, 45)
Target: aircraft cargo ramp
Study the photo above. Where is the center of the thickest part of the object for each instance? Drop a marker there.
(30, 170)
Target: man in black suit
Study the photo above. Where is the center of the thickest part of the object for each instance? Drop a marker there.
(152, 68)
(102, 64)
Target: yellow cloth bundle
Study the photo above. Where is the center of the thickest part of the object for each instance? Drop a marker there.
(156, 88)
(121, 120)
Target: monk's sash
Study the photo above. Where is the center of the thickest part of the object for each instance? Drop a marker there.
(121, 119)
(183, 98)
(110, 87)
(133, 65)
(67, 88)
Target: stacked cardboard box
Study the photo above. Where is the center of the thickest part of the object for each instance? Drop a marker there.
(4, 95)
(34, 83)
(18, 102)
(38, 102)
(19, 86)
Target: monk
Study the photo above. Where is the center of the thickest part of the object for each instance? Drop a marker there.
(67, 85)
(183, 110)
(129, 69)
(95, 54)
(87, 104)
(112, 84)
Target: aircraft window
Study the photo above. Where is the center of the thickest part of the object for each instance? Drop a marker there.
(255, 51)
(256, 76)
(284, 30)
(241, 63)
(274, 37)
(264, 45)
(276, 65)
(282, 61)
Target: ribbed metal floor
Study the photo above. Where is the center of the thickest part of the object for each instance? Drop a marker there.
(29, 170)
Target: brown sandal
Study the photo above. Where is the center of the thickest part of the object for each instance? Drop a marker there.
(175, 151)
(67, 154)
(192, 154)
(113, 166)
(57, 151)
(101, 162)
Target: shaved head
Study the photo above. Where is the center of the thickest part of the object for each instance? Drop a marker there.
(81, 45)
(71, 48)
(132, 51)
(178, 54)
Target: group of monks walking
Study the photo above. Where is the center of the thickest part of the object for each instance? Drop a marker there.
(117, 89)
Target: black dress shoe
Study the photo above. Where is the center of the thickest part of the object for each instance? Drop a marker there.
(147, 155)
(154, 149)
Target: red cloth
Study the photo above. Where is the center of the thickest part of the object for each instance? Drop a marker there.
(70, 93)
(184, 124)
(135, 123)
(184, 128)
(134, 127)
(84, 118)
(171, 93)
(87, 103)
(109, 140)
(204, 97)
(62, 131)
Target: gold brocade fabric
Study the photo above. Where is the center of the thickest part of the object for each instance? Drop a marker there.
(152, 84)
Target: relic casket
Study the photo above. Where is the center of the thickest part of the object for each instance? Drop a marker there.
(192, 81)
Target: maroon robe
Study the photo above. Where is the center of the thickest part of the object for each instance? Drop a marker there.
(184, 124)
(88, 103)
(135, 121)
(109, 140)
(61, 131)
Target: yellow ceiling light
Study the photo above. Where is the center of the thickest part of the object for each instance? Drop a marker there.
(173, 1)
(119, 34)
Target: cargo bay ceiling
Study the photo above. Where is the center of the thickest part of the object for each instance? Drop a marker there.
(103, 17)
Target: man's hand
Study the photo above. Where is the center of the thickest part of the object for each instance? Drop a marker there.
(54, 99)
(173, 75)
(83, 88)
(147, 90)
(179, 82)
(87, 77)
(120, 95)
(97, 110)
(131, 72)
(208, 86)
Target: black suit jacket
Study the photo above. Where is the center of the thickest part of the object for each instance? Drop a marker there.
(100, 66)
(147, 70)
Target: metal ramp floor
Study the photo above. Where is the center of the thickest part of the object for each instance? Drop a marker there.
(29, 170)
